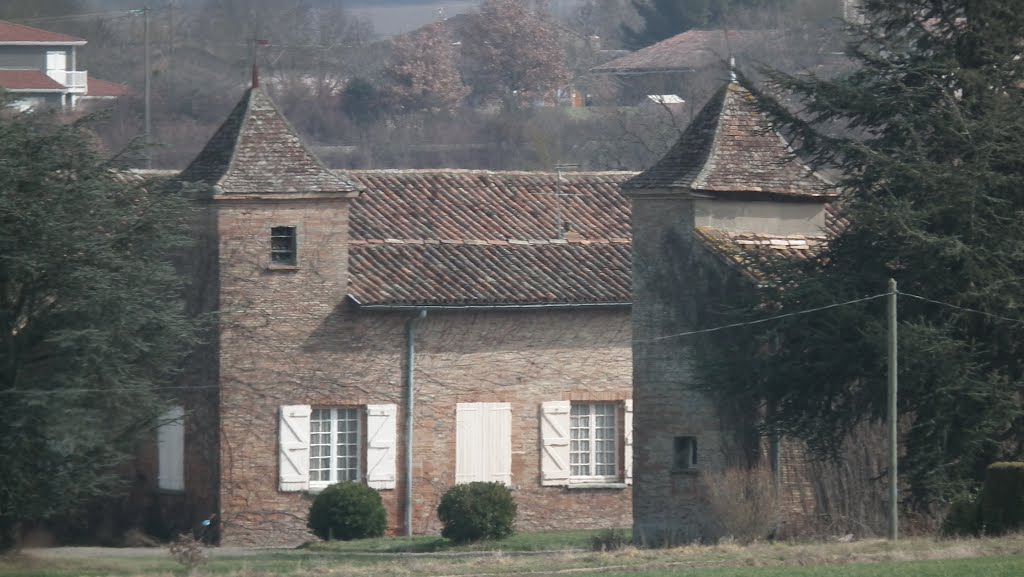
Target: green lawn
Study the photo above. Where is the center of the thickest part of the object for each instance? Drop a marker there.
(524, 555)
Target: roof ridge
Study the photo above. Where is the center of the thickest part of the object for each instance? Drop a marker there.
(247, 98)
(705, 170)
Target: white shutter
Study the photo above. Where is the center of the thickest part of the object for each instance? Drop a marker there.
(381, 445)
(483, 442)
(293, 447)
(498, 439)
(468, 432)
(554, 436)
(627, 440)
(170, 438)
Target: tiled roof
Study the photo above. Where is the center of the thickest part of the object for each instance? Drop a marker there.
(28, 80)
(691, 50)
(730, 147)
(17, 33)
(106, 89)
(464, 237)
(256, 151)
(750, 252)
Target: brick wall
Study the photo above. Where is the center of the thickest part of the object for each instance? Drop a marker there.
(286, 338)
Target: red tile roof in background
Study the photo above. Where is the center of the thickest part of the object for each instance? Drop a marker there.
(691, 50)
(11, 32)
(27, 80)
(466, 237)
(103, 88)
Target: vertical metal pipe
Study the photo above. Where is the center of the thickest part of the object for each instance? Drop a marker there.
(410, 399)
(893, 417)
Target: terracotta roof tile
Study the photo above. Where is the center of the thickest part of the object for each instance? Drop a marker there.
(750, 252)
(464, 237)
(256, 151)
(17, 33)
(691, 50)
(730, 147)
(28, 80)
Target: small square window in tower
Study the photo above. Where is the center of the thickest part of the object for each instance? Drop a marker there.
(283, 246)
(685, 453)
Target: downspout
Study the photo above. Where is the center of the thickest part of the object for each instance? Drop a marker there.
(410, 365)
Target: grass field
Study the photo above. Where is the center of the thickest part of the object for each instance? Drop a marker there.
(537, 555)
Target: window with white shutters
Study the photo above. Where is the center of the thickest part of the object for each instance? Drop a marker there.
(584, 442)
(483, 442)
(324, 445)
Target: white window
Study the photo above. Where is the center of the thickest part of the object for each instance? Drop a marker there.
(584, 442)
(57, 66)
(594, 446)
(170, 436)
(483, 442)
(326, 445)
(334, 448)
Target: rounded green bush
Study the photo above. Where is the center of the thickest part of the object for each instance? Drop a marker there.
(476, 511)
(964, 516)
(347, 511)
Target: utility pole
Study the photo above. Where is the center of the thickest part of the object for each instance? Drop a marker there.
(893, 457)
(149, 74)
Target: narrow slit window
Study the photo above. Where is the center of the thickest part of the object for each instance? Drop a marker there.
(283, 247)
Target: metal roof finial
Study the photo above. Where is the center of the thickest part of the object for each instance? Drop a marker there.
(732, 68)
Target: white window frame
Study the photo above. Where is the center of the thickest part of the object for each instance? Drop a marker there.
(592, 453)
(351, 414)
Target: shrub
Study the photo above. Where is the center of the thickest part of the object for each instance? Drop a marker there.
(610, 540)
(964, 516)
(744, 502)
(1002, 502)
(476, 511)
(188, 551)
(347, 511)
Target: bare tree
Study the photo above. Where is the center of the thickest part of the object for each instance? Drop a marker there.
(421, 73)
(515, 53)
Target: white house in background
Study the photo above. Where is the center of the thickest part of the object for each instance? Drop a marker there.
(41, 68)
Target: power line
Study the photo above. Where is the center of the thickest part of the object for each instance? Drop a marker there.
(764, 320)
(963, 309)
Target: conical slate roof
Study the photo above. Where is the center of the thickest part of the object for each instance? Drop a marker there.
(730, 147)
(256, 151)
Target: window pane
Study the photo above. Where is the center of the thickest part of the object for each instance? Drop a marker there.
(348, 444)
(593, 444)
(282, 245)
(320, 445)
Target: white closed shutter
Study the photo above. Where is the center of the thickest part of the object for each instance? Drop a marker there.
(554, 436)
(469, 457)
(170, 438)
(627, 440)
(483, 442)
(381, 445)
(293, 447)
(498, 439)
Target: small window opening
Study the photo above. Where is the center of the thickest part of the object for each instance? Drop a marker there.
(282, 246)
(685, 449)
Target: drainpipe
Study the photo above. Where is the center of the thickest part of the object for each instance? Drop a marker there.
(410, 365)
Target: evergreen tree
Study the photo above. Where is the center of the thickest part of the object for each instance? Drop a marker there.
(928, 133)
(91, 316)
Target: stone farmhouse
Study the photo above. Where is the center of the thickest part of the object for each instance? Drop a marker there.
(406, 329)
(413, 329)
